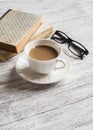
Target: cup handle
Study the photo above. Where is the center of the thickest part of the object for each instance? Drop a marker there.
(63, 63)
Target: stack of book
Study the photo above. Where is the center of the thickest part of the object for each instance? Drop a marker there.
(17, 28)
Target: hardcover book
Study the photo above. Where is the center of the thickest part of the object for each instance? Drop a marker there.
(44, 31)
(16, 27)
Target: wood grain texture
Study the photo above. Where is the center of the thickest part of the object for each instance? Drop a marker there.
(61, 106)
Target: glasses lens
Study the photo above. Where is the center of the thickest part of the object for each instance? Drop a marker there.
(59, 37)
(76, 48)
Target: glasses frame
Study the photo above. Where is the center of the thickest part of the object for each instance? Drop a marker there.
(62, 38)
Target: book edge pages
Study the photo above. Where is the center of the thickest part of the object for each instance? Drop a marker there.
(31, 32)
(44, 34)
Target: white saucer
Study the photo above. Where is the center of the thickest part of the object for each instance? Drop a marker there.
(22, 68)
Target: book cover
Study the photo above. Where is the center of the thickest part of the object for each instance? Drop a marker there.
(16, 27)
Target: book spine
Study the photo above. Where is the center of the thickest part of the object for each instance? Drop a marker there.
(5, 46)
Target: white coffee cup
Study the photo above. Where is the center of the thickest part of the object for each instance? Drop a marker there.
(44, 66)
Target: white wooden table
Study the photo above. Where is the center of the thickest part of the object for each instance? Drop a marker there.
(59, 106)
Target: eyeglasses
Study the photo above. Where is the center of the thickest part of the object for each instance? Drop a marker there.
(75, 47)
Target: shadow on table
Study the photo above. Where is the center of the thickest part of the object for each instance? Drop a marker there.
(18, 84)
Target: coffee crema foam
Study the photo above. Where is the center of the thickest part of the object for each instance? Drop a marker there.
(43, 52)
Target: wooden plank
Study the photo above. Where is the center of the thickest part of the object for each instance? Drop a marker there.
(72, 116)
(62, 106)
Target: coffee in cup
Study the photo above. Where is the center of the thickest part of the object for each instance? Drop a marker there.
(43, 52)
(43, 55)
